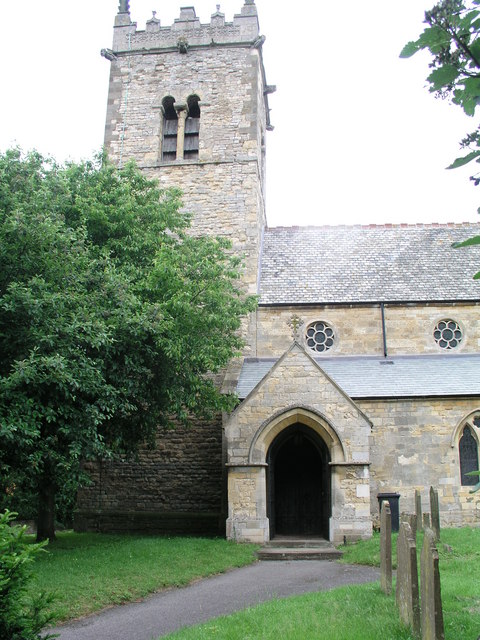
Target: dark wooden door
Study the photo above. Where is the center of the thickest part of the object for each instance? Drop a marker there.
(298, 485)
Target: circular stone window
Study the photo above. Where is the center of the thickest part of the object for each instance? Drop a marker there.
(320, 336)
(447, 334)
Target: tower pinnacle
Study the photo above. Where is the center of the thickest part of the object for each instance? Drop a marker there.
(123, 6)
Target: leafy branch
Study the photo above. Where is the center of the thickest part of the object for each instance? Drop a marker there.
(452, 37)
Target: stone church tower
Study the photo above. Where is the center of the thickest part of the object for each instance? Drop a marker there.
(378, 393)
(188, 102)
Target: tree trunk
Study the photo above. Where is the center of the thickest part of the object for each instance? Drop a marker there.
(46, 509)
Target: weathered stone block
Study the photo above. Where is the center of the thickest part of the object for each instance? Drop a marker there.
(435, 512)
(386, 548)
(418, 508)
(407, 595)
(432, 613)
(411, 518)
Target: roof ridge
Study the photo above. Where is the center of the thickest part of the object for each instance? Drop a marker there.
(387, 225)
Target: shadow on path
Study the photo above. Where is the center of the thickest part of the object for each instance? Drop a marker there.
(173, 609)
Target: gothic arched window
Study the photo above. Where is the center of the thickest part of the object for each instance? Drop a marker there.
(192, 128)
(468, 452)
(170, 128)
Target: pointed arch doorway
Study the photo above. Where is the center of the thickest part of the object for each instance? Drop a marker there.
(298, 484)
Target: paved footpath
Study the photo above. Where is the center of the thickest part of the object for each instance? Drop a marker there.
(209, 598)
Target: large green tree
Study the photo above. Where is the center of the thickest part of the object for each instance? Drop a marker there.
(112, 318)
(452, 37)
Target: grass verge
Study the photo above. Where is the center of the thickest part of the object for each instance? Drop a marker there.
(361, 612)
(348, 613)
(88, 572)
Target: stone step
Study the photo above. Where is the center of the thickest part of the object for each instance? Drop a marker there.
(315, 553)
(298, 549)
(297, 542)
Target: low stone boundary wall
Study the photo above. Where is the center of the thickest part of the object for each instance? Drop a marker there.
(168, 523)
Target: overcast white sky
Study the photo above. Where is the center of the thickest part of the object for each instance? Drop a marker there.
(377, 142)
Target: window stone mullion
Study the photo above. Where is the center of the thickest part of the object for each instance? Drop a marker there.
(181, 110)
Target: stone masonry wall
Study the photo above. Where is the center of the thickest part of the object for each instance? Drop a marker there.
(411, 449)
(358, 330)
(225, 79)
(224, 200)
(410, 329)
(296, 381)
(351, 508)
(182, 475)
(224, 187)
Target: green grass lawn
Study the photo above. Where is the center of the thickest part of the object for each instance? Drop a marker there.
(91, 571)
(346, 613)
(361, 612)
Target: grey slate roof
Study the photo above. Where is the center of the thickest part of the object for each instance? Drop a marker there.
(397, 377)
(348, 264)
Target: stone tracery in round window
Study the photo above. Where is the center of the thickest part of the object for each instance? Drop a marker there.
(448, 334)
(320, 336)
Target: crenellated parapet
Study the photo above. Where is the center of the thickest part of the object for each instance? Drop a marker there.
(186, 31)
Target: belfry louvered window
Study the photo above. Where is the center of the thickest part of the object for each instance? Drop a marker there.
(468, 451)
(170, 129)
(192, 129)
